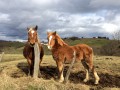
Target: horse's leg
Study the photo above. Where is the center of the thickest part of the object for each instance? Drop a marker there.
(31, 70)
(96, 76)
(60, 68)
(90, 62)
(29, 66)
(87, 70)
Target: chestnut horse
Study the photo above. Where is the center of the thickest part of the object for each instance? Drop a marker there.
(62, 52)
(28, 50)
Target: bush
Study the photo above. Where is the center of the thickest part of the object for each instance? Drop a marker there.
(111, 49)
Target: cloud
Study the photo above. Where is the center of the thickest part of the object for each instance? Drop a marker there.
(82, 18)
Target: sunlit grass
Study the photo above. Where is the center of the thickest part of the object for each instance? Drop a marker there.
(11, 57)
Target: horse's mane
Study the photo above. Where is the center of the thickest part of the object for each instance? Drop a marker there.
(38, 38)
(60, 41)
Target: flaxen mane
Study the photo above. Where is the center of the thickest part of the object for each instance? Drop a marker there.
(60, 41)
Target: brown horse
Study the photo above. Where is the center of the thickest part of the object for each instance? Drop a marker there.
(28, 50)
(62, 52)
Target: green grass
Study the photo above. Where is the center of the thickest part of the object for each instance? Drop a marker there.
(17, 47)
(89, 41)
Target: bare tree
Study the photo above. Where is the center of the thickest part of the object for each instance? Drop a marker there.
(116, 36)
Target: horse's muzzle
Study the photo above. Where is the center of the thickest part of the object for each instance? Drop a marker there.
(32, 44)
(49, 47)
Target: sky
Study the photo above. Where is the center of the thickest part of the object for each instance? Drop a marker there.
(80, 18)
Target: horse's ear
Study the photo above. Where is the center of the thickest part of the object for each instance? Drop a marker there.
(54, 33)
(36, 27)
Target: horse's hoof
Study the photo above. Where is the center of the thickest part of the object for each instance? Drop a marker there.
(96, 82)
(85, 80)
(61, 81)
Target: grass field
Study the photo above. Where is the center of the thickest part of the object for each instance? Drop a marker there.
(89, 41)
(17, 47)
(13, 74)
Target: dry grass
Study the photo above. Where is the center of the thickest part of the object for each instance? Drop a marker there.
(13, 75)
(12, 57)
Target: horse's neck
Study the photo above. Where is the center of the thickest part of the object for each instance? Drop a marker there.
(60, 41)
(60, 44)
(57, 47)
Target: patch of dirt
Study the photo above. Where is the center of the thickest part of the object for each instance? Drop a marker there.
(49, 72)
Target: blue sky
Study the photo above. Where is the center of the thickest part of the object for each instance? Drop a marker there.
(81, 18)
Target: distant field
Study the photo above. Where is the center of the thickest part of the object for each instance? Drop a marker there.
(13, 70)
(89, 41)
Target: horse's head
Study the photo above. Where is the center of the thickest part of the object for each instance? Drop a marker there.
(51, 36)
(32, 35)
(54, 39)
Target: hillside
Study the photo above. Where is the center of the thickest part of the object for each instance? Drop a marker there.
(11, 47)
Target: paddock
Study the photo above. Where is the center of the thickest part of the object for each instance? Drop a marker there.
(13, 72)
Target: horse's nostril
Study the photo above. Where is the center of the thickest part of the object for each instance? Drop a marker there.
(32, 44)
(49, 47)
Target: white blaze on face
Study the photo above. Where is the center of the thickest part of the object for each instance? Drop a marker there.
(50, 38)
(32, 32)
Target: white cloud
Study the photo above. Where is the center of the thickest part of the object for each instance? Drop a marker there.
(68, 17)
(110, 28)
(4, 17)
(44, 2)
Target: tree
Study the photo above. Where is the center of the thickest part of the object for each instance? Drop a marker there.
(116, 36)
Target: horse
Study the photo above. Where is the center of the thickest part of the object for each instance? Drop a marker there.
(28, 51)
(62, 52)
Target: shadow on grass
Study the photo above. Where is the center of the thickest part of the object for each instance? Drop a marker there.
(48, 72)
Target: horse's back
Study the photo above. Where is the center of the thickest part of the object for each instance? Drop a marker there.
(83, 48)
(82, 51)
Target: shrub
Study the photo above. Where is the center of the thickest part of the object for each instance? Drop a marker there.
(112, 49)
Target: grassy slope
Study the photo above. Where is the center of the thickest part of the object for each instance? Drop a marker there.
(89, 41)
(16, 47)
